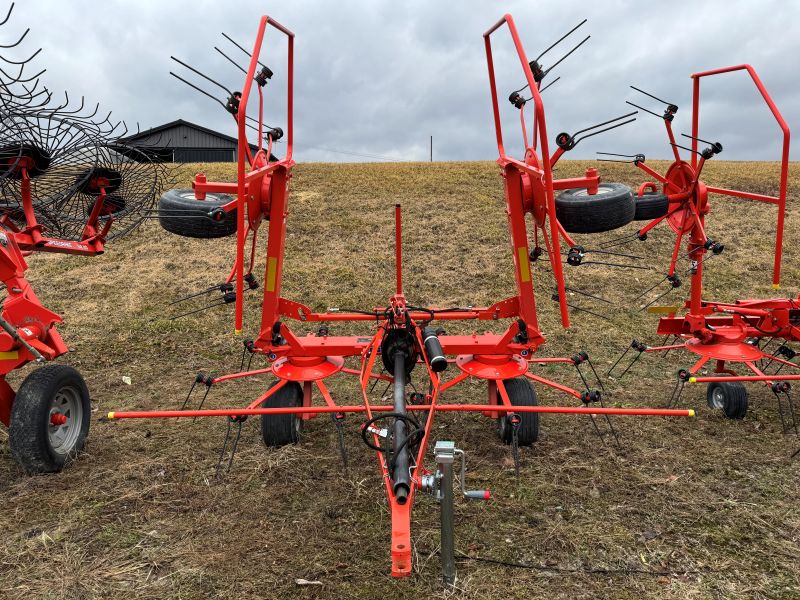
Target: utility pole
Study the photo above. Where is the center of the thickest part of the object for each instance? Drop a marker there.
(431, 148)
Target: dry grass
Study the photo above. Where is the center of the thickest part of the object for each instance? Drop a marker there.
(139, 515)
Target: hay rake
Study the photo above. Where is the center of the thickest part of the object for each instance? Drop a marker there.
(401, 337)
(737, 333)
(67, 185)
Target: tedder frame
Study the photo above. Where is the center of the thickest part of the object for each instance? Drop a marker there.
(401, 337)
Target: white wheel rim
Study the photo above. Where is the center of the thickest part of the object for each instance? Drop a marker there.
(602, 189)
(718, 397)
(65, 406)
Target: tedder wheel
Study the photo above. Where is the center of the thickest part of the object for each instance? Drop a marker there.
(49, 419)
(650, 206)
(611, 207)
(520, 393)
(280, 430)
(181, 213)
(728, 396)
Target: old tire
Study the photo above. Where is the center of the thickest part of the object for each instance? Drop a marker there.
(520, 393)
(610, 208)
(649, 206)
(728, 396)
(280, 430)
(39, 443)
(179, 212)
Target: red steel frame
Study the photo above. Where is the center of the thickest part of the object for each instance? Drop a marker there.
(312, 358)
(715, 330)
(36, 338)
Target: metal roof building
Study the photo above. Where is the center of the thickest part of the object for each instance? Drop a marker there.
(183, 142)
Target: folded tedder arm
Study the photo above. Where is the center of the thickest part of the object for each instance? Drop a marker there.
(726, 333)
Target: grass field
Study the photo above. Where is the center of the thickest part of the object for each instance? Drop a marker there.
(689, 508)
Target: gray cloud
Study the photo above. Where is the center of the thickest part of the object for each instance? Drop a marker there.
(379, 77)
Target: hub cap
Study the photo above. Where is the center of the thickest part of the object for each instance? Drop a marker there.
(65, 420)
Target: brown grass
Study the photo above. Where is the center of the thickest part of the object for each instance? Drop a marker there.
(139, 515)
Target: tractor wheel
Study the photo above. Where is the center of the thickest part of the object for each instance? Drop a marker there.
(520, 393)
(650, 206)
(181, 213)
(280, 430)
(49, 419)
(728, 396)
(610, 208)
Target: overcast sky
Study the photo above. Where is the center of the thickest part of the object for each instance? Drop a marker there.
(379, 77)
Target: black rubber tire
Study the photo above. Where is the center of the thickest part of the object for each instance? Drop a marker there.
(520, 393)
(28, 430)
(179, 212)
(280, 430)
(731, 399)
(651, 205)
(610, 208)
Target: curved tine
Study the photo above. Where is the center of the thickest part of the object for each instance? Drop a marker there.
(79, 109)
(18, 41)
(21, 62)
(8, 16)
(13, 78)
(33, 77)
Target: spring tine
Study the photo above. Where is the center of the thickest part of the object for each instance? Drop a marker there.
(674, 399)
(685, 148)
(593, 133)
(233, 62)
(656, 299)
(554, 44)
(224, 447)
(596, 376)
(628, 368)
(541, 90)
(604, 123)
(227, 37)
(611, 426)
(632, 256)
(697, 138)
(560, 60)
(651, 95)
(191, 312)
(587, 294)
(643, 294)
(202, 91)
(608, 373)
(203, 75)
(619, 266)
(655, 114)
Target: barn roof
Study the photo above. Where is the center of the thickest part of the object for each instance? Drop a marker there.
(177, 123)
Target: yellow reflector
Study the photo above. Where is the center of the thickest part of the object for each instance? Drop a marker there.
(524, 264)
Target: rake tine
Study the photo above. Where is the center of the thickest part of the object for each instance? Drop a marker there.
(608, 373)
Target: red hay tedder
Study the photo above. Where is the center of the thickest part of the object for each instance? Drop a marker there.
(736, 333)
(400, 337)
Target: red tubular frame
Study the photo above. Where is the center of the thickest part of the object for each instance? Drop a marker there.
(310, 359)
(780, 200)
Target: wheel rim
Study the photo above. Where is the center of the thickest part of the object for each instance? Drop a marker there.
(718, 397)
(602, 189)
(65, 419)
